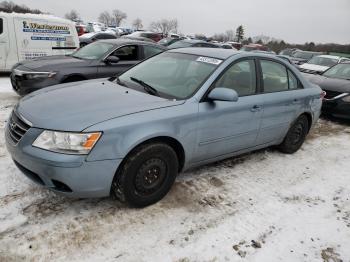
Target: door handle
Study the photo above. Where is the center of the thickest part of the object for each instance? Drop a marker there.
(255, 108)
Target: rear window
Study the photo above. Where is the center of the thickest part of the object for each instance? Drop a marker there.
(1, 26)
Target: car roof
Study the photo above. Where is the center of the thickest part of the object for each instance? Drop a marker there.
(329, 56)
(194, 41)
(209, 52)
(125, 41)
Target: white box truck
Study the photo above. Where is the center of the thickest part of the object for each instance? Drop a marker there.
(28, 36)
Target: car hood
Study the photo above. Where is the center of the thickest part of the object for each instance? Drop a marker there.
(313, 67)
(77, 106)
(331, 84)
(51, 63)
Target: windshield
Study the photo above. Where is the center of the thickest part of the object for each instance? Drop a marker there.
(303, 55)
(341, 71)
(180, 44)
(172, 75)
(93, 51)
(323, 61)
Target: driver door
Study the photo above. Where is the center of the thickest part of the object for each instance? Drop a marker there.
(226, 127)
(129, 55)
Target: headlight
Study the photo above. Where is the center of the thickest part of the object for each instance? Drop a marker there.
(67, 143)
(346, 99)
(34, 75)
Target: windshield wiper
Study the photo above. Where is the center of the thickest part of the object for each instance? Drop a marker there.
(149, 89)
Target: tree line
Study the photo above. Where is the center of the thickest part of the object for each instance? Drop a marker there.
(9, 7)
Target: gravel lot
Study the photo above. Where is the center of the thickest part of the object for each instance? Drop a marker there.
(264, 206)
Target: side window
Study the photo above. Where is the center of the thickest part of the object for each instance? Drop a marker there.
(1, 25)
(240, 77)
(293, 81)
(151, 51)
(127, 53)
(275, 76)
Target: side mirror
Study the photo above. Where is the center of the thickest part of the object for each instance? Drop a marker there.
(223, 94)
(112, 60)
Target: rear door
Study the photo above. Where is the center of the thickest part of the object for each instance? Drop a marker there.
(4, 43)
(129, 55)
(281, 99)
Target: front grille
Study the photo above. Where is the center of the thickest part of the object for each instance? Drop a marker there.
(17, 127)
(331, 94)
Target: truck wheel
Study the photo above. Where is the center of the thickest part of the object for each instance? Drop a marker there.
(147, 175)
(295, 136)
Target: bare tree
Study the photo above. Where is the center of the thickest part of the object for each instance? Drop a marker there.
(72, 15)
(165, 26)
(137, 24)
(118, 16)
(229, 35)
(9, 7)
(105, 18)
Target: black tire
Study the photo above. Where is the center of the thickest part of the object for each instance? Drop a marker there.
(296, 136)
(147, 175)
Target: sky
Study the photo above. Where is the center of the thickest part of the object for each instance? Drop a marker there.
(295, 21)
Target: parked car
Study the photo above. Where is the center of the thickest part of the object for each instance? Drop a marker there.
(183, 108)
(135, 38)
(168, 41)
(192, 43)
(235, 45)
(300, 57)
(288, 51)
(319, 64)
(253, 47)
(28, 36)
(103, 58)
(94, 27)
(286, 58)
(151, 35)
(336, 83)
(89, 38)
(226, 46)
(81, 29)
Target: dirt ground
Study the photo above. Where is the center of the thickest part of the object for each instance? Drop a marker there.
(263, 206)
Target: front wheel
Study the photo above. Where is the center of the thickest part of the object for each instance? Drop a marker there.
(147, 175)
(296, 136)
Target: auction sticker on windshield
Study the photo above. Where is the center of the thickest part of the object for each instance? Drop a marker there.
(209, 60)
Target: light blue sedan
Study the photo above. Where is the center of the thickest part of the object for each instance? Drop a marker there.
(131, 135)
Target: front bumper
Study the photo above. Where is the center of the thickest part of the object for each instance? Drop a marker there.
(24, 86)
(69, 175)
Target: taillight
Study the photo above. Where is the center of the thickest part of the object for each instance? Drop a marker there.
(323, 94)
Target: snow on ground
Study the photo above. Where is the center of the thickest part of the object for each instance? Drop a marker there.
(5, 84)
(264, 206)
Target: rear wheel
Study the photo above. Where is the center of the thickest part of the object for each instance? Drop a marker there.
(295, 136)
(147, 175)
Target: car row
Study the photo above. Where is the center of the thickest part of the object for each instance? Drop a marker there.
(336, 83)
(130, 135)
(104, 58)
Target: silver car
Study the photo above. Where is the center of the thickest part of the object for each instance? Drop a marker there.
(130, 136)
